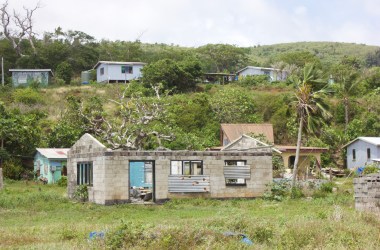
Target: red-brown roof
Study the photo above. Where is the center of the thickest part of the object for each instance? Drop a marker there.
(234, 131)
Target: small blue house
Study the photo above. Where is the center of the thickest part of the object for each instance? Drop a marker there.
(362, 151)
(24, 77)
(50, 164)
(114, 72)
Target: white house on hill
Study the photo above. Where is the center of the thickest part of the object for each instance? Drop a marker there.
(111, 72)
(362, 151)
(273, 74)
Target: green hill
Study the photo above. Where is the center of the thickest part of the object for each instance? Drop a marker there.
(327, 52)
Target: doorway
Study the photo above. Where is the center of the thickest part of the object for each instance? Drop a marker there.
(141, 181)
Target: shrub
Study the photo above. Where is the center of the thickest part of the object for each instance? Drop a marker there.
(278, 190)
(12, 169)
(371, 169)
(81, 193)
(62, 182)
(27, 96)
(296, 193)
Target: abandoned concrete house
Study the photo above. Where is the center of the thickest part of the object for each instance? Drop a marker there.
(241, 169)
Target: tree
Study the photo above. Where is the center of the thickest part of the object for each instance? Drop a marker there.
(172, 75)
(23, 27)
(134, 125)
(300, 59)
(373, 59)
(309, 105)
(347, 80)
(223, 57)
(64, 71)
(233, 105)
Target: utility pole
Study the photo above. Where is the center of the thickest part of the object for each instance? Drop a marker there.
(2, 71)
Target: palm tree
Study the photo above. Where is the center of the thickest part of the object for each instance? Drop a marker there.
(310, 106)
(347, 81)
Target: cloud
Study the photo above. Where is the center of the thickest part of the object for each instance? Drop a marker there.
(197, 22)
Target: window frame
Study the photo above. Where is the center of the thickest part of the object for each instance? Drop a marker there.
(127, 69)
(353, 154)
(229, 181)
(368, 153)
(183, 166)
(101, 71)
(85, 173)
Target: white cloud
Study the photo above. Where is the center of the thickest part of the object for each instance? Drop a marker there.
(197, 22)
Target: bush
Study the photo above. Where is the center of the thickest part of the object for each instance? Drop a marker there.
(278, 190)
(27, 96)
(81, 193)
(323, 190)
(371, 169)
(62, 182)
(12, 169)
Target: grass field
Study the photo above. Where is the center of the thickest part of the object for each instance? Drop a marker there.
(35, 216)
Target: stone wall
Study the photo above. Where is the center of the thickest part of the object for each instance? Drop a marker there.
(111, 171)
(367, 193)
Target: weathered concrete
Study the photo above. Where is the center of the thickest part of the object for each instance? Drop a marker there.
(111, 171)
(367, 193)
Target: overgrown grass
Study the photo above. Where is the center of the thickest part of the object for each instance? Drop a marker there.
(35, 216)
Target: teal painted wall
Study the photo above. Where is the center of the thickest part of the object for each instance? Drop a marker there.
(45, 165)
(137, 174)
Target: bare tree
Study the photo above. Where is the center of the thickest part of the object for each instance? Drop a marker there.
(130, 129)
(23, 26)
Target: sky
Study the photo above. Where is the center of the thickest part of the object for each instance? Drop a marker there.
(195, 23)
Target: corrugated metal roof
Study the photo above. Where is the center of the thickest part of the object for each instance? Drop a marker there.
(54, 153)
(118, 63)
(286, 148)
(234, 131)
(372, 140)
(260, 68)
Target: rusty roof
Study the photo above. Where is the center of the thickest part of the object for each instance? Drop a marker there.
(234, 131)
(54, 153)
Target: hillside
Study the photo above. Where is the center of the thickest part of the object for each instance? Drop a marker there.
(327, 52)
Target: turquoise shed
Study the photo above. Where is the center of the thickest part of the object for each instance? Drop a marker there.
(50, 164)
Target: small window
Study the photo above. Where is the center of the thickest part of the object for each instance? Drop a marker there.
(126, 69)
(368, 153)
(186, 168)
(84, 173)
(353, 154)
(235, 182)
(101, 71)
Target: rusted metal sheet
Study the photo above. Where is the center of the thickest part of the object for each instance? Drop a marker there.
(189, 183)
(237, 172)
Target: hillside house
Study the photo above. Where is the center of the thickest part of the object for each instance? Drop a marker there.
(362, 151)
(273, 74)
(230, 132)
(114, 72)
(50, 164)
(24, 77)
(115, 176)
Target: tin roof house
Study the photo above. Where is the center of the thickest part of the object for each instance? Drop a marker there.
(24, 77)
(272, 73)
(362, 151)
(114, 72)
(50, 164)
(114, 176)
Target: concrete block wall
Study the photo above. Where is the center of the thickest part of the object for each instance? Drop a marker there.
(111, 171)
(367, 193)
